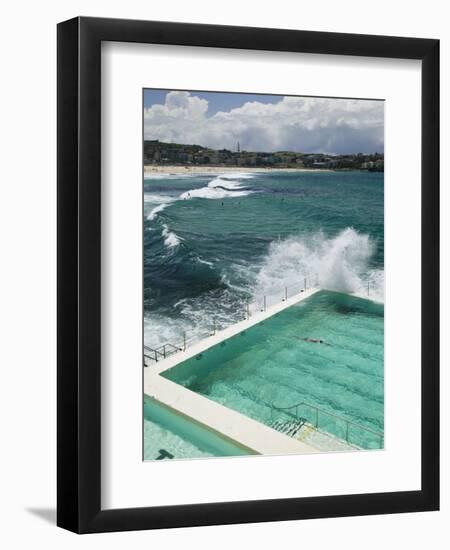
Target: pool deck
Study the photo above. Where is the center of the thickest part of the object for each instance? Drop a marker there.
(232, 425)
(238, 428)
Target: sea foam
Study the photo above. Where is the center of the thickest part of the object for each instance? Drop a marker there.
(221, 187)
(171, 239)
(159, 203)
(338, 263)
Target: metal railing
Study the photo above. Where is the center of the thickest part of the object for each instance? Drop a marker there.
(156, 354)
(272, 297)
(259, 303)
(319, 421)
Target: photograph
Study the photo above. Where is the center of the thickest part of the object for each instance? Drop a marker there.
(263, 271)
(228, 234)
(218, 202)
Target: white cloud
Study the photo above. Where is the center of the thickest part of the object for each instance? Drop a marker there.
(293, 123)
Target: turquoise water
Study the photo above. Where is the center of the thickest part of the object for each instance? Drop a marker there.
(271, 364)
(168, 436)
(213, 241)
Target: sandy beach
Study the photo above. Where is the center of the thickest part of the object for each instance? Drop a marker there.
(178, 169)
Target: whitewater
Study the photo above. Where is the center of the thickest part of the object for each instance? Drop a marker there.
(214, 242)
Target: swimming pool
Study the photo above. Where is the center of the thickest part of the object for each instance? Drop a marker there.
(263, 372)
(168, 435)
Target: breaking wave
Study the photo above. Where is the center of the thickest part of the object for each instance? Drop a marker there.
(171, 239)
(338, 263)
(159, 203)
(216, 280)
(224, 186)
(155, 211)
(221, 187)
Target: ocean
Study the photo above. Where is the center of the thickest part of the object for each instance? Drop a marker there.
(214, 241)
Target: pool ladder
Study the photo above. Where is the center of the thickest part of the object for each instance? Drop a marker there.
(288, 427)
(318, 414)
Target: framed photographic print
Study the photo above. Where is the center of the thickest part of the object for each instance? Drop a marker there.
(248, 291)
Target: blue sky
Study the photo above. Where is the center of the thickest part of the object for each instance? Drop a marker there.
(217, 101)
(264, 122)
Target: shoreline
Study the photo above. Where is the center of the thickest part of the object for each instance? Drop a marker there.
(179, 169)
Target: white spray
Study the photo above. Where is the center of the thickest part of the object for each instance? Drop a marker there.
(339, 263)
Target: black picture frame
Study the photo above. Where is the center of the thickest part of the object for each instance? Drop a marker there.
(79, 281)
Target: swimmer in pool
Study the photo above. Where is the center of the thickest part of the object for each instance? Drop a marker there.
(315, 341)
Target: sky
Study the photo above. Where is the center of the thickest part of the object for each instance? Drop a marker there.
(264, 122)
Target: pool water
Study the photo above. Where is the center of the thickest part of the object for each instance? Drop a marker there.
(168, 435)
(272, 365)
